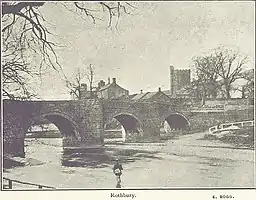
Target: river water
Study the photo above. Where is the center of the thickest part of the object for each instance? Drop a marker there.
(185, 162)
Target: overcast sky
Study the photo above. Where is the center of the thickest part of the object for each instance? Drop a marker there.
(146, 43)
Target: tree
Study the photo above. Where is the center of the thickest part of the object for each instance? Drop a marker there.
(26, 39)
(90, 78)
(247, 89)
(217, 72)
(231, 64)
(196, 90)
(206, 80)
(76, 85)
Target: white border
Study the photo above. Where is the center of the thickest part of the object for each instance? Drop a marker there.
(198, 194)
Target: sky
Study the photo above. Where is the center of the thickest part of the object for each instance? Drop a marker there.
(139, 52)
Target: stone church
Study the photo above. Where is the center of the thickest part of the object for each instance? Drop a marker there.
(179, 80)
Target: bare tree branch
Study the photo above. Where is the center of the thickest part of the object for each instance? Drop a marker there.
(75, 84)
(26, 35)
(217, 71)
(8, 8)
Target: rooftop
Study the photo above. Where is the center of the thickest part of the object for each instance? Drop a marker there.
(147, 95)
(139, 96)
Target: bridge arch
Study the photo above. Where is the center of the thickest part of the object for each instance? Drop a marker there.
(125, 125)
(177, 121)
(66, 125)
(128, 121)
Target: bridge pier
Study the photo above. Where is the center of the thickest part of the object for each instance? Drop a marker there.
(70, 141)
(13, 131)
(143, 135)
(87, 140)
(14, 146)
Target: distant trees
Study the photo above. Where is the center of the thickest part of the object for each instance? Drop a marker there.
(247, 88)
(90, 77)
(217, 72)
(230, 68)
(27, 47)
(76, 84)
(206, 83)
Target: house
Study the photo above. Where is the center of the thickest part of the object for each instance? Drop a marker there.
(111, 90)
(158, 96)
(105, 91)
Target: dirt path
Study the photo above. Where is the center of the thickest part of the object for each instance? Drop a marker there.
(193, 145)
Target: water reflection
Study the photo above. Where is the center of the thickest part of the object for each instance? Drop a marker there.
(105, 158)
(50, 150)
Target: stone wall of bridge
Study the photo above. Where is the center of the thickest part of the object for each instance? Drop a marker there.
(149, 115)
(80, 122)
(145, 115)
(14, 116)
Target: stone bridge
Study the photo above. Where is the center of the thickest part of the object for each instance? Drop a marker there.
(82, 122)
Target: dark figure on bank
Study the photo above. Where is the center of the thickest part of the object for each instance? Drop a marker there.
(218, 126)
(117, 169)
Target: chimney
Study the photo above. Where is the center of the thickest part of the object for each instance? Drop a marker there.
(99, 84)
(83, 87)
(159, 89)
(114, 80)
(141, 91)
(108, 80)
(103, 83)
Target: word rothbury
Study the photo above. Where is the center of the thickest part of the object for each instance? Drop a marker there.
(122, 195)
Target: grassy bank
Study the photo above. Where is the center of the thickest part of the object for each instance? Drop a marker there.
(239, 138)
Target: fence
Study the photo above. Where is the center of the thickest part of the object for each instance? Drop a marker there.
(11, 181)
(223, 127)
